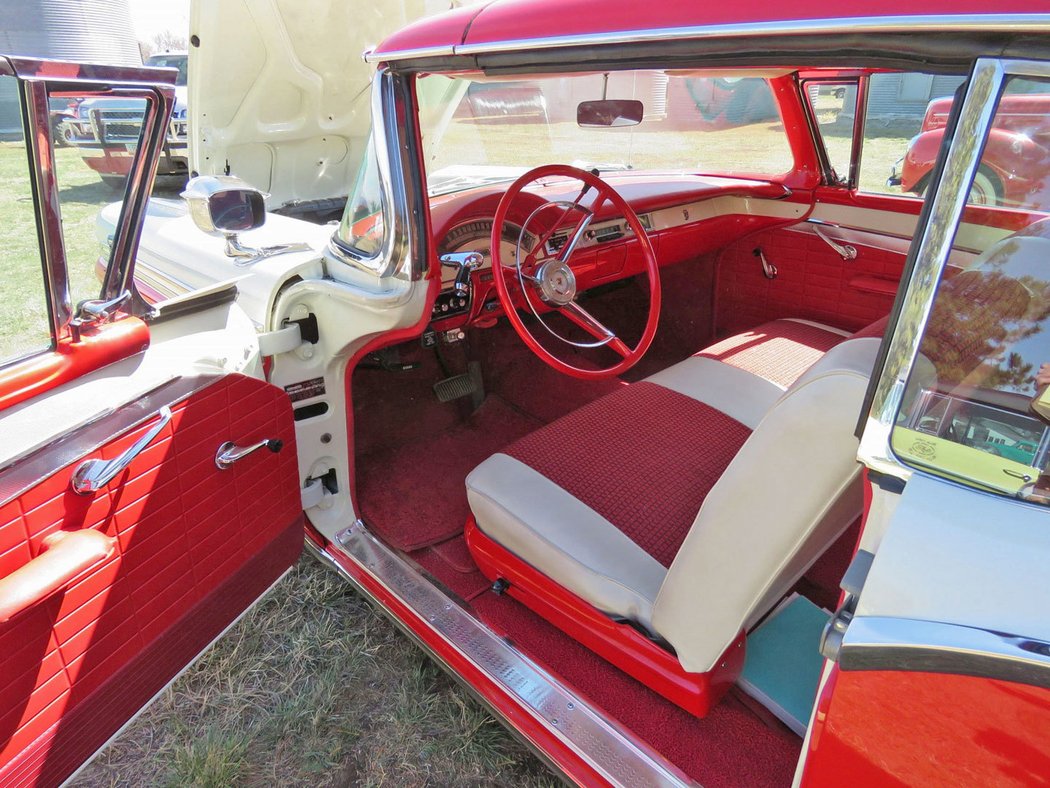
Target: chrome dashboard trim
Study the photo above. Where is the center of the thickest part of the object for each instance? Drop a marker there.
(951, 23)
(899, 644)
(933, 248)
(585, 730)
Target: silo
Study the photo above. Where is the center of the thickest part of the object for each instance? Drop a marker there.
(96, 31)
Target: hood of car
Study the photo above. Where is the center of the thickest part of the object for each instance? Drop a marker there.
(279, 92)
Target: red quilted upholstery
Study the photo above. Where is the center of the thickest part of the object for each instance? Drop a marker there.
(183, 528)
(779, 351)
(643, 457)
(812, 282)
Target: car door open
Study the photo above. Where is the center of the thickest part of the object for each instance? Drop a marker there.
(148, 474)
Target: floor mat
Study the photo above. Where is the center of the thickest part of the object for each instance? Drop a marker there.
(730, 747)
(412, 494)
(465, 585)
(783, 664)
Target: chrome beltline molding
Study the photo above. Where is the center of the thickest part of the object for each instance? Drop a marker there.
(868, 24)
(586, 731)
(23, 472)
(899, 644)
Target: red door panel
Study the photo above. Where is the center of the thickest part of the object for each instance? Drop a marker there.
(193, 546)
(812, 282)
(889, 728)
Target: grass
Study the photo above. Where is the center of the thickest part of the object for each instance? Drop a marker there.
(313, 687)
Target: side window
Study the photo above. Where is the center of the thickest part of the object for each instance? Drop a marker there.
(25, 325)
(983, 371)
(904, 123)
(97, 139)
(834, 108)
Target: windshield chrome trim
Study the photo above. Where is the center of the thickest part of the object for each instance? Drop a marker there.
(840, 25)
(900, 644)
(399, 254)
(933, 248)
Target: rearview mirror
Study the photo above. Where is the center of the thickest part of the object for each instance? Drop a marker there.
(224, 205)
(609, 113)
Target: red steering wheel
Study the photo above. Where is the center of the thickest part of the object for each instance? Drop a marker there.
(546, 281)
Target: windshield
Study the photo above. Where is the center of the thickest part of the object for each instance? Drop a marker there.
(179, 62)
(476, 130)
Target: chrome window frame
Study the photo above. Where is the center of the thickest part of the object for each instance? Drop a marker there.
(36, 79)
(401, 255)
(932, 248)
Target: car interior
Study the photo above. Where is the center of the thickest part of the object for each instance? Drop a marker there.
(631, 531)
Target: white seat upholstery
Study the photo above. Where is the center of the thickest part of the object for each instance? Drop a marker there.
(599, 501)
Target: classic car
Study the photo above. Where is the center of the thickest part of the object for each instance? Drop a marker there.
(107, 132)
(1016, 161)
(675, 441)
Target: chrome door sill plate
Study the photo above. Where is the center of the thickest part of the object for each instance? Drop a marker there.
(587, 732)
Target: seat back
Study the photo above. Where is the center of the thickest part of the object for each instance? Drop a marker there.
(790, 491)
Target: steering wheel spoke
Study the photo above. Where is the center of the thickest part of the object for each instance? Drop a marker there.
(593, 326)
(551, 282)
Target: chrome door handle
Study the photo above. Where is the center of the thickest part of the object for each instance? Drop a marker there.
(92, 475)
(230, 452)
(845, 251)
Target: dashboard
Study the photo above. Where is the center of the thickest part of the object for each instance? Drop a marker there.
(684, 217)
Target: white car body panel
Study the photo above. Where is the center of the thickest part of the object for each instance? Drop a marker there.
(279, 91)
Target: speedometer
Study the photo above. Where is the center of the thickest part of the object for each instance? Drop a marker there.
(476, 236)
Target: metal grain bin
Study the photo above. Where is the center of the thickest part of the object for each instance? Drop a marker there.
(97, 31)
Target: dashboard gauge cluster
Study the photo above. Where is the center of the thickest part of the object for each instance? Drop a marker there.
(472, 236)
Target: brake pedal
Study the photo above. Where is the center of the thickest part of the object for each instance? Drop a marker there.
(454, 387)
(469, 384)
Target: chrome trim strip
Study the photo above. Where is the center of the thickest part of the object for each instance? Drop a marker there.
(933, 248)
(585, 730)
(48, 206)
(899, 644)
(23, 472)
(953, 23)
(399, 256)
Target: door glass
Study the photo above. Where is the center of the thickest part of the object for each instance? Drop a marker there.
(903, 126)
(834, 107)
(24, 321)
(971, 402)
(98, 139)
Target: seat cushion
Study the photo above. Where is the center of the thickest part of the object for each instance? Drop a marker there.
(601, 499)
(778, 351)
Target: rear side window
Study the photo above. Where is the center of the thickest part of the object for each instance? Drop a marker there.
(904, 121)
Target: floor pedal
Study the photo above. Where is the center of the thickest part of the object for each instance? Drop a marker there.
(455, 387)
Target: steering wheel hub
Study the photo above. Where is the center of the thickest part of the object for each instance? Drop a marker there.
(556, 282)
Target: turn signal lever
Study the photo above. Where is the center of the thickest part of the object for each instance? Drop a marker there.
(464, 263)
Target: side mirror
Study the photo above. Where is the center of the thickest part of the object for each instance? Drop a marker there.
(609, 113)
(224, 205)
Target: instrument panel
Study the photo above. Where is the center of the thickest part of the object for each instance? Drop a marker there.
(473, 236)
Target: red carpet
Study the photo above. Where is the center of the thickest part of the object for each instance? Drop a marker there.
(413, 494)
(730, 747)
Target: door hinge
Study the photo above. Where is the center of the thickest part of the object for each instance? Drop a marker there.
(291, 335)
(852, 583)
(318, 489)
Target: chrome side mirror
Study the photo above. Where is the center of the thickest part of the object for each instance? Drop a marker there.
(224, 205)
